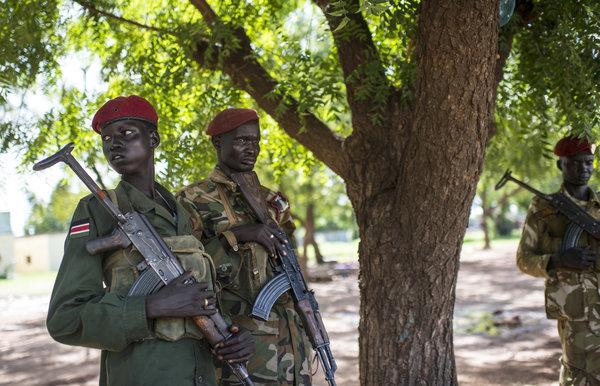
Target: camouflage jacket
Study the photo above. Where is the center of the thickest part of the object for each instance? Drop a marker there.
(216, 205)
(569, 295)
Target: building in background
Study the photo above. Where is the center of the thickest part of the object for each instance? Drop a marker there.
(7, 254)
(39, 253)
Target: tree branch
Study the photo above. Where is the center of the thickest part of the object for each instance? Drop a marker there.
(368, 89)
(524, 10)
(241, 65)
(506, 196)
(95, 11)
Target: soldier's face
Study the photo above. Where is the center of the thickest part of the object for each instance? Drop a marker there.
(239, 148)
(577, 169)
(128, 145)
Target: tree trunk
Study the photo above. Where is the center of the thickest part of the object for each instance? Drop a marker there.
(486, 211)
(412, 229)
(309, 234)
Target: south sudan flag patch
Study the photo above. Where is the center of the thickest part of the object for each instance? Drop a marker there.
(80, 228)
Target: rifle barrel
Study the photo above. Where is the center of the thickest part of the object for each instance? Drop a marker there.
(527, 187)
(93, 187)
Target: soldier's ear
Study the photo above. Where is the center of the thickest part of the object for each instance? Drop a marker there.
(216, 141)
(559, 164)
(154, 139)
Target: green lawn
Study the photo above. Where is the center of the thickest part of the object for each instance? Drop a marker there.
(339, 251)
(477, 237)
(37, 283)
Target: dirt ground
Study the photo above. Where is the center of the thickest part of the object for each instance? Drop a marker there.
(501, 334)
(527, 351)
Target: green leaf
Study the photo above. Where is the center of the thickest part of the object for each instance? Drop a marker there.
(342, 24)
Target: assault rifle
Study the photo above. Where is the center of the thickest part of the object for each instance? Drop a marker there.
(161, 267)
(288, 276)
(561, 203)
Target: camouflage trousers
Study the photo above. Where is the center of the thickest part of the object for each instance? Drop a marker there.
(282, 352)
(580, 362)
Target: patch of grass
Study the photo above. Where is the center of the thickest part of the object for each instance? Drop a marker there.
(342, 251)
(482, 323)
(477, 237)
(34, 283)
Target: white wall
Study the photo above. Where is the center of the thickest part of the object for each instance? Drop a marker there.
(7, 253)
(38, 253)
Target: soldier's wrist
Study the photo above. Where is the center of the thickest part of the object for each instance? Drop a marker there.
(150, 309)
(553, 262)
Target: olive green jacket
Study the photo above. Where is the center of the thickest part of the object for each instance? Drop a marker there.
(84, 313)
(569, 294)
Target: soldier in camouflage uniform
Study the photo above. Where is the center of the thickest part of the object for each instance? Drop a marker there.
(568, 265)
(241, 248)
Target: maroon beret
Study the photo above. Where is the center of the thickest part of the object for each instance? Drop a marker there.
(230, 119)
(131, 107)
(571, 145)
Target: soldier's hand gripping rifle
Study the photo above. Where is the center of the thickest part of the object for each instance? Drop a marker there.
(162, 266)
(288, 276)
(561, 203)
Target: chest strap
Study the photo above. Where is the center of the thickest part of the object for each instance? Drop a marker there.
(229, 212)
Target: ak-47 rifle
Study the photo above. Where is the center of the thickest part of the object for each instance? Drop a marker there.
(288, 276)
(162, 266)
(579, 217)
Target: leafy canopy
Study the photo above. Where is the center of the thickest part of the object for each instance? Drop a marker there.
(550, 87)
(55, 215)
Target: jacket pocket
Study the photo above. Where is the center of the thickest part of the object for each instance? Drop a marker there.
(190, 253)
(228, 270)
(121, 272)
(121, 279)
(258, 327)
(565, 297)
(266, 363)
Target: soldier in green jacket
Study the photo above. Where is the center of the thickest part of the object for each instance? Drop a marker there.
(241, 248)
(145, 340)
(569, 265)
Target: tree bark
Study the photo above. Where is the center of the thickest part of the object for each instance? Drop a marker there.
(486, 214)
(309, 234)
(411, 236)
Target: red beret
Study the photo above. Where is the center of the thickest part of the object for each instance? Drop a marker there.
(131, 107)
(230, 119)
(569, 146)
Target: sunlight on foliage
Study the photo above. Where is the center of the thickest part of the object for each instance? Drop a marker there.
(550, 87)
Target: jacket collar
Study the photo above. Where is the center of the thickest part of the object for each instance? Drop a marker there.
(143, 204)
(594, 200)
(219, 177)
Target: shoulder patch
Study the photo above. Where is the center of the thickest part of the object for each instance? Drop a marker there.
(279, 203)
(80, 228)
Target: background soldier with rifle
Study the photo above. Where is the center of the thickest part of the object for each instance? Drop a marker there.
(148, 335)
(560, 243)
(245, 250)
